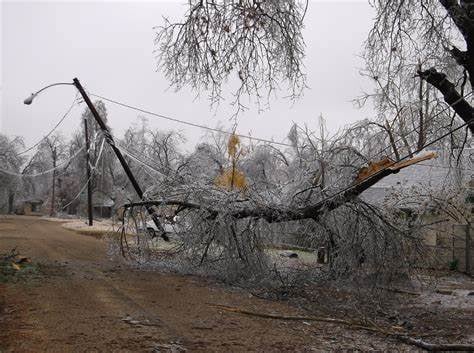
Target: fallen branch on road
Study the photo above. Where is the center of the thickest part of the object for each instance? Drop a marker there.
(399, 291)
(435, 347)
(352, 324)
(355, 325)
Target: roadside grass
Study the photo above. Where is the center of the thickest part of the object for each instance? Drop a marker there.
(305, 257)
(96, 233)
(13, 272)
(99, 230)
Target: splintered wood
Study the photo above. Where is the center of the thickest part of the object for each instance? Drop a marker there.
(387, 163)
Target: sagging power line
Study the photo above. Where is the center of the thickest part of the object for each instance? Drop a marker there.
(204, 127)
(46, 171)
(63, 118)
(93, 169)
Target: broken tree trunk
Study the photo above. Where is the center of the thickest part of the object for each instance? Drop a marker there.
(274, 215)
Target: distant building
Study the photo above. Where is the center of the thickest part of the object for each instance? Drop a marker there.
(102, 205)
(32, 207)
(413, 187)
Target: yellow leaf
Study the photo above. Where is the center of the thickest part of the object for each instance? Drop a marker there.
(21, 259)
(232, 145)
(232, 179)
(16, 267)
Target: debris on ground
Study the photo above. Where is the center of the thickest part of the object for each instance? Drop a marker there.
(289, 254)
(11, 264)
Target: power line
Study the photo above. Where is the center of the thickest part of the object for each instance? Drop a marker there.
(444, 167)
(147, 159)
(133, 155)
(387, 167)
(65, 115)
(46, 171)
(409, 132)
(250, 137)
(189, 123)
(136, 159)
(85, 185)
(428, 120)
(257, 138)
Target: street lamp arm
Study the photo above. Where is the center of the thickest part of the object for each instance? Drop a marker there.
(110, 141)
(29, 100)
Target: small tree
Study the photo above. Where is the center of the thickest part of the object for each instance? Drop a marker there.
(232, 178)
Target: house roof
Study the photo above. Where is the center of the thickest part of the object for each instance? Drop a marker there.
(434, 174)
(101, 199)
(32, 201)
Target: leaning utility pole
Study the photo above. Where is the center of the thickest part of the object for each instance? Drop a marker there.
(88, 175)
(123, 162)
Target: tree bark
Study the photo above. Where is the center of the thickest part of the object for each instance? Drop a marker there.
(462, 15)
(422, 133)
(451, 96)
(11, 201)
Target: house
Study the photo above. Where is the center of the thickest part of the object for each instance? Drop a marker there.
(102, 205)
(424, 186)
(31, 207)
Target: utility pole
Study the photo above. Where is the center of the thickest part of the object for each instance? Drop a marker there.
(123, 162)
(468, 248)
(88, 175)
(51, 212)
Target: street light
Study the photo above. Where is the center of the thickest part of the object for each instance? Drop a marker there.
(110, 141)
(29, 100)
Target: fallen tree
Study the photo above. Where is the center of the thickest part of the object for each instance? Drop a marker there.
(271, 214)
(227, 232)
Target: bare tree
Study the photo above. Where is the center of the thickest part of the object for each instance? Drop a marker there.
(158, 150)
(10, 161)
(430, 40)
(260, 43)
(227, 228)
(54, 150)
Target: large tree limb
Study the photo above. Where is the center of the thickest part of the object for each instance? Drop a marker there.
(460, 18)
(461, 14)
(434, 347)
(277, 214)
(465, 59)
(450, 94)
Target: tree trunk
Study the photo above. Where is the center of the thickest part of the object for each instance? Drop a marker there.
(422, 133)
(11, 200)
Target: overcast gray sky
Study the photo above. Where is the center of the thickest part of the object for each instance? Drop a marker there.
(109, 47)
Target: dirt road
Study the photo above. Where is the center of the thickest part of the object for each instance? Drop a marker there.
(82, 301)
